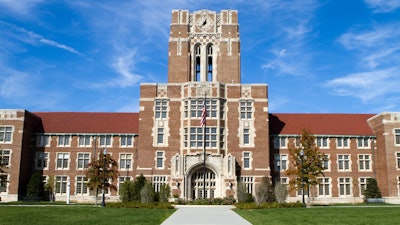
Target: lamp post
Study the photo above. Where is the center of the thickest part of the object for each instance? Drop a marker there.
(103, 202)
(302, 175)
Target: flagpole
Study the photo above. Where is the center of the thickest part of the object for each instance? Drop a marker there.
(204, 147)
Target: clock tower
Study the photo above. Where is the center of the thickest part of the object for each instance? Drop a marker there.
(204, 46)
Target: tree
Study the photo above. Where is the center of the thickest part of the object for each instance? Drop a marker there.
(126, 191)
(137, 187)
(372, 189)
(242, 194)
(281, 192)
(309, 167)
(165, 193)
(95, 174)
(49, 187)
(265, 191)
(147, 193)
(35, 186)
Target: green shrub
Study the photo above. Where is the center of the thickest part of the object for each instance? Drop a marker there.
(372, 189)
(35, 187)
(147, 194)
(281, 192)
(126, 191)
(269, 205)
(140, 205)
(165, 193)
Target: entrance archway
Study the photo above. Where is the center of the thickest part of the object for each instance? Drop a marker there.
(197, 181)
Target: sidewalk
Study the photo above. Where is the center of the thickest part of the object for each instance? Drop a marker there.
(205, 215)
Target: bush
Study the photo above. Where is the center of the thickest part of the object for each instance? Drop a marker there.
(281, 192)
(35, 187)
(140, 205)
(242, 195)
(147, 194)
(137, 187)
(268, 205)
(372, 189)
(165, 193)
(265, 191)
(126, 191)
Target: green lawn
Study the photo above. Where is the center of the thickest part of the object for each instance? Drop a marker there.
(59, 215)
(323, 216)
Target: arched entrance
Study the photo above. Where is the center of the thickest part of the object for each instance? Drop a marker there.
(197, 181)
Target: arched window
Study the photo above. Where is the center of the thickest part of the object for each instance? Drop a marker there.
(197, 62)
(210, 63)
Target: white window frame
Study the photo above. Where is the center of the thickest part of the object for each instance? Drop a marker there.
(83, 139)
(347, 184)
(5, 183)
(43, 157)
(85, 158)
(43, 140)
(363, 162)
(81, 182)
(397, 155)
(63, 158)
(280, 142)
(366, 142)
(64, 141)
(248, 182)
(160, 135)
(362, 184)
(396, 133)
(195, 137)
(159, 157)
(126, 141)
(8, 156)
(343, 142)
(160, 109)
(327, 159)
(323, 183)
(343, 158)
(282, 159)
(157, 181)
(124, 160)
(6, 134)
(105, 140)
(246, 136)
(322, 142)
(246, 109)
(61, 183)
(248, 158)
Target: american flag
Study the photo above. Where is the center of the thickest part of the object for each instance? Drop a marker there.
(203, 117)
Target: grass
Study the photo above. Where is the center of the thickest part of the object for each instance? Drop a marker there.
(84, 215)
(323, 216)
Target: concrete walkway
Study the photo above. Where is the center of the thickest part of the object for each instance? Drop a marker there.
(205, 215)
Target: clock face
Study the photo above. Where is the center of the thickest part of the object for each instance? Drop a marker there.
(204, 23)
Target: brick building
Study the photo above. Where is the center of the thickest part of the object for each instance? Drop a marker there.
(168, 142)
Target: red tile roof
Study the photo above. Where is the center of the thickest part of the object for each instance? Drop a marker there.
(89, 122)
(320, 124)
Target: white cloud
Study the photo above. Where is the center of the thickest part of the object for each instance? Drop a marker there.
(383, 6)
(375, 47)
(20, 7)
(367, 86)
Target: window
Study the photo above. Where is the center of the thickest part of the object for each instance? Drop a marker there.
(342, 142)
(344, 162)
(161, 108)
(126, 140)
(197, 105)
(363, 184)
(63, 140)
(362, 142)
(344, 186)
(105, 141)
(397, 136)
(122, 179)
(42, 141)
(160, 159)
(281, 162)
(246, 136)
(62, 160)
(81, 187)
(83, 160)
(322, 142)
(6, 134)
(125, 161)
(61, 184)
(3, 182)
(248, 183)
(84, 141)
(209, 63)
(246, 109)
(364, 162)
(196, 137)
(158, 181)
(280, 142)
(324, 186)
(398, 160)
(160, 135)
(326, 162)
(5, 157)
(246, 160)
(42, 159)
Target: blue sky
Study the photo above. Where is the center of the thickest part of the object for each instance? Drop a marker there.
(328, 56)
